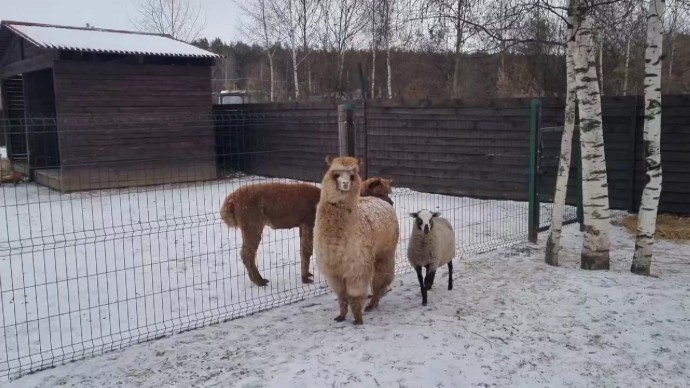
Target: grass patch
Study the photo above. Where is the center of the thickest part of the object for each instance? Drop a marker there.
(668, 226)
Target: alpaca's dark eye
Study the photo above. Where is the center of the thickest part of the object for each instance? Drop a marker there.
(352, 177)
(336, 176)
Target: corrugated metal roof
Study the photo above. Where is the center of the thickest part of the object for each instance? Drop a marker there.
(104, 41)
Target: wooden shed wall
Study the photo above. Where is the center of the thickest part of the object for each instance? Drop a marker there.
(124, 125)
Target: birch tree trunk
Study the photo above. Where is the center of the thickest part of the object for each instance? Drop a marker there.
(646, 225)
(597, 243)
(627, 67)
(672, 49)
(601, 64)
(270, 68)
(388, 70)
(294, 73)
(373, 49)
(373, 72)
(553, 244)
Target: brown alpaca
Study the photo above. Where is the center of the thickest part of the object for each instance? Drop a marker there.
(278, 205)
(355, 239)
(377, 187)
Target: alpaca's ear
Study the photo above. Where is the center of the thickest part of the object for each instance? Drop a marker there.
(436, 214)
(329, 159)
(414, 215)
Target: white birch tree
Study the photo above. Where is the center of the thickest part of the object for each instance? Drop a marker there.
(553, 245)
(296, 21)
(342, 21)
(260, 26)
(649, 205)
(597, 243)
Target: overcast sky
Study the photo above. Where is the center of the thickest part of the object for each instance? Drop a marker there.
(222, 16)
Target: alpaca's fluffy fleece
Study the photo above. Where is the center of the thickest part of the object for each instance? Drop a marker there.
(354, 239)
(431, 245)
(377, 187)
(278, 205)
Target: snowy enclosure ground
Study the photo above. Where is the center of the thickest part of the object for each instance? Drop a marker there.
(510, 321)
(86, 272)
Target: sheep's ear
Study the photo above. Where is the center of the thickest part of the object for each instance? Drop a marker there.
(389, 181)
(329, 159)
(414, 215)
(375, 183)
(436, 214)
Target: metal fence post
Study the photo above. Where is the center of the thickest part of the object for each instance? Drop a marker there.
(580, 208)
(534, 206)
(346, 130)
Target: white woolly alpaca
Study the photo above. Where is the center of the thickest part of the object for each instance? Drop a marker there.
(355, 239)
(431, 245)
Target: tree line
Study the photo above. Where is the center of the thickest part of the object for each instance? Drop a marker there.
(468, 49)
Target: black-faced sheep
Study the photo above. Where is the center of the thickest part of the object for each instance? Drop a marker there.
(431, 245)
(355, 239)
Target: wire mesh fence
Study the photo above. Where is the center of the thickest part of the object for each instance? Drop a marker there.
(116, 236)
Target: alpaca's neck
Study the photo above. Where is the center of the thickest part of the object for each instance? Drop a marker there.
(346, 206)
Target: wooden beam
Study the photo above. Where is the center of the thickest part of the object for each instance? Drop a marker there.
(44, 61)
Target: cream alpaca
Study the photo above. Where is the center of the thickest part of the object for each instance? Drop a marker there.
(354, 239)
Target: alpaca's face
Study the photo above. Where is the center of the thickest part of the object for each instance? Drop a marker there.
(344, 172)
(424, 220)
(343, 179)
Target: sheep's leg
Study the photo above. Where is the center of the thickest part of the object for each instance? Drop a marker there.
(450, 275)
(251, 238)
(418, 268)
(342, 302)
(430, 275)
(306, 241)
(356, 307)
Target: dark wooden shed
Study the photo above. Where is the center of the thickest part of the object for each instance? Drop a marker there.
(88, 108)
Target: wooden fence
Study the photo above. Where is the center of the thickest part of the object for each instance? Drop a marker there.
(452, 148)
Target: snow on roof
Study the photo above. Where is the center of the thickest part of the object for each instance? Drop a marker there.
(104, 41)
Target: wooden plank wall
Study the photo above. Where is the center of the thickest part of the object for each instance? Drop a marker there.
(278, 140)
(477, 151)
(135, 117)
(450, 148)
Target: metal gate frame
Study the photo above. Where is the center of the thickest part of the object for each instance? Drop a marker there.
(536, 171)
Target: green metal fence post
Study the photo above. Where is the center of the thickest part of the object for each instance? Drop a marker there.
(580, 208)
(534, 207)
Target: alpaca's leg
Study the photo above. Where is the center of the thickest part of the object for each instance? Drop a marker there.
(430, 275)
(306, 242)
(384, 273)
(418, 268)
(251, 238)
(450, 275)
(356, 303)
(342, 303)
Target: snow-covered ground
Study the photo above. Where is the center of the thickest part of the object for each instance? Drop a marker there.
(87, 272)
(510, 321)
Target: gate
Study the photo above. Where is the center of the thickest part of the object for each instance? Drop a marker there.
(545, 151)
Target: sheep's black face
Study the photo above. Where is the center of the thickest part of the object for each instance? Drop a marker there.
(424, 220)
